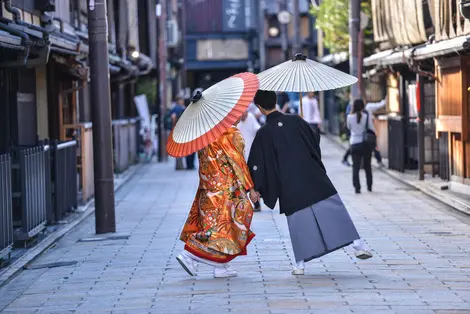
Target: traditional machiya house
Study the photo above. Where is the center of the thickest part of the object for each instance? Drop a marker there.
(46, 133)
(219, 41)
(422, 56)
(34, 166)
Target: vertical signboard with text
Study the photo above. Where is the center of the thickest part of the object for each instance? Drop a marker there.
(233, 16)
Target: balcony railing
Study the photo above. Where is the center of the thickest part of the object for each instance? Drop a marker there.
(6, 221)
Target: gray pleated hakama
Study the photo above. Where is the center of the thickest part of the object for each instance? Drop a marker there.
(321, 229)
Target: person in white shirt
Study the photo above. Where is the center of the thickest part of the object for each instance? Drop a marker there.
(371, 108)
(248, 127)
(257, 113)
(359, 121)
(311, 111)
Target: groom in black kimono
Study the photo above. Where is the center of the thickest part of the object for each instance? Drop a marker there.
(285, 163)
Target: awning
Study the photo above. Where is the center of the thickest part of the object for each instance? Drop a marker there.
(65, 44)
(8, 40)
(441, 48)
(423, 52)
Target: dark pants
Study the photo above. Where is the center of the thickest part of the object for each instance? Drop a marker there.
(190, 161)
(377, 154)
(361, 155)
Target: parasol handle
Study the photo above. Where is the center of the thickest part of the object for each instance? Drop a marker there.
(301, 107)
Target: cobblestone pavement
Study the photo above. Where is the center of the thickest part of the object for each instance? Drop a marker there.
(421, 262)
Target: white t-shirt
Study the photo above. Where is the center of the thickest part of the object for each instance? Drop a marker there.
(311, 110)
(358, 129)
(248, 129)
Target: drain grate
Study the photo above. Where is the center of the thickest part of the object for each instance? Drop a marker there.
(106, 238)
(407, 189)
(50, 265)
(444, 233)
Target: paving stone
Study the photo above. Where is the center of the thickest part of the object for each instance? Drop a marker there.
(417, 267)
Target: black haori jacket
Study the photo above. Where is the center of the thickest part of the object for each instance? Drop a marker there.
(285, 164)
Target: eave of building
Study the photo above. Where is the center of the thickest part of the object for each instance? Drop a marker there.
(10, 41)
(422, 52)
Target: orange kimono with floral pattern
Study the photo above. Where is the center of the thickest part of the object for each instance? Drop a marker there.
(218, 225)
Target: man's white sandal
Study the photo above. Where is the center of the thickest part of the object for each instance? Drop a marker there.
(363, 254)
(298, 271)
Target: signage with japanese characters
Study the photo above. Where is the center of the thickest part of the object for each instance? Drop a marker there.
(233, 12)
(217, 49)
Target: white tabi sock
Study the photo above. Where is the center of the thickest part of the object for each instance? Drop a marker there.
(359, 245)
(300, 264)
(203, 260)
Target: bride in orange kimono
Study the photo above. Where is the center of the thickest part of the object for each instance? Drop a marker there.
(218, 225)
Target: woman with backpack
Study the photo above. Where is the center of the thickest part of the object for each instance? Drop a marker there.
(362, 141)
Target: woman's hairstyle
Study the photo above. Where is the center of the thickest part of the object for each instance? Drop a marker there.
(358, 107)
(265, 99)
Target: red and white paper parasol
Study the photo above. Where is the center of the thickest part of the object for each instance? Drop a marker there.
(211, 113)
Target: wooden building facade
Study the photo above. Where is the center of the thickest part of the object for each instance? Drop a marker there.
(45, 107)
(425, 58)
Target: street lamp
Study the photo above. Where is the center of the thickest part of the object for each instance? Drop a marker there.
(273, 31)
(135, 54)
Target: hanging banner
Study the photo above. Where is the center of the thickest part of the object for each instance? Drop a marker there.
(233, 16)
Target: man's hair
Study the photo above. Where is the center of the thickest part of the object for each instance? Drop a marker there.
(265, 99)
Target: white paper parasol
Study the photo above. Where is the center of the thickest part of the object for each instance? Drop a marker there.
(303, 75)
(211, 113)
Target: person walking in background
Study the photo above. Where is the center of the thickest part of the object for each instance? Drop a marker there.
(248, 127)
(284, 102)
(256, 113)
(175, 114)
(370, 108)
(360, 122)
(311, 111)
(190, 158)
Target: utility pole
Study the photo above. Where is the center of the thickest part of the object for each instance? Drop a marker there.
(162, 54)
(297, 45)
(101, 110)
(160, 113)
(354, 25)
(261, 34)
(284, 34)
(421, 118)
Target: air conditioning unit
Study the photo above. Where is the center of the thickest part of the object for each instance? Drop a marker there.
(172, 33)
(45, 5)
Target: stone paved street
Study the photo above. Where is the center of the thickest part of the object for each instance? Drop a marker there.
(421, 263)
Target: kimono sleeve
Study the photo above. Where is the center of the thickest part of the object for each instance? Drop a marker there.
(235, 151)
(264, 171)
